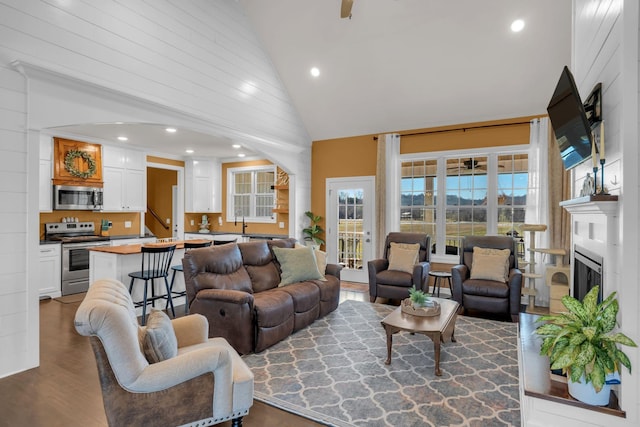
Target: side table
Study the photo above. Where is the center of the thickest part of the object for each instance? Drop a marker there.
(438, 276)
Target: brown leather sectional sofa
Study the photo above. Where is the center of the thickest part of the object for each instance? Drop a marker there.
(236, 287)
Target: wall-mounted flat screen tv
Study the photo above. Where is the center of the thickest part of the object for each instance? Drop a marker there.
(569, 121)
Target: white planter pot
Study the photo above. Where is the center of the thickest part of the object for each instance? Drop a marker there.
(585, 392)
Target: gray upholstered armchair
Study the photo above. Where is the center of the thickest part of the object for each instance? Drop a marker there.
(202, 382)
(394, 284)
(489, 285)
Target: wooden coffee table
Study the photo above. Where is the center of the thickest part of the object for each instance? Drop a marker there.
(438, 328)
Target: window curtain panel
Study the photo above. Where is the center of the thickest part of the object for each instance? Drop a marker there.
(538, 199)
(387, 189)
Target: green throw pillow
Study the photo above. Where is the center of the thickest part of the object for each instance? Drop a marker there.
(159, 340)
(297, 265)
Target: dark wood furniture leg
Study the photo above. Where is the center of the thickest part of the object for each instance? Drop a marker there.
(390, 331)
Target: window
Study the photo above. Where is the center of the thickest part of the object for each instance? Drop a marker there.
(481, 194)
(250, 193)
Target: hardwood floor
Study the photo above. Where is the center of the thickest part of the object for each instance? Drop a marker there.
(65, 391)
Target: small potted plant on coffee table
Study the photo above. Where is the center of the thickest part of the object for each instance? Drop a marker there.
(417, 297)
(581, 343)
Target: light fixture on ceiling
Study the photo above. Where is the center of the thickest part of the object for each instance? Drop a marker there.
(517, 25)
(123, 138)
(188, 151)
(315, 71)
(241, 155)
(171, 130)
(236, 146)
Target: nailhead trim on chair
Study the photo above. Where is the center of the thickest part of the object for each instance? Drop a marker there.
(212, 421)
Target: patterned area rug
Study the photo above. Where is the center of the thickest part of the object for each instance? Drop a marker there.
(333, 372)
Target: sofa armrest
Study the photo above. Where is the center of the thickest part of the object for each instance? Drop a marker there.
(459, 274)
(515, 291)
(191, 329)
(225, 295)
(186, 366)
(421, 276)
(334, 270)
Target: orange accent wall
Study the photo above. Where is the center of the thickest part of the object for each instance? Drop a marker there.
(495, 133)
(159, 198)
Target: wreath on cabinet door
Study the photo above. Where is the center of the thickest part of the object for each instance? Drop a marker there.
(69, 163)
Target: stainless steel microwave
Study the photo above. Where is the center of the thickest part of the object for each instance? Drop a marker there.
(71, 197)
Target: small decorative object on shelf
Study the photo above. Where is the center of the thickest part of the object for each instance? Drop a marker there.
(588, 186)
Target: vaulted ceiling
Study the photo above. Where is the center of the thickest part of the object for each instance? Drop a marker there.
(408, 64)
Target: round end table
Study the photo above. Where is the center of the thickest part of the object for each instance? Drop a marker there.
(437, 277)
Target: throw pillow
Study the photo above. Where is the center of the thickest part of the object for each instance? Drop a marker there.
(159, 340)
(403, 256)
(297, 265)
(490, 264)
(321, 258)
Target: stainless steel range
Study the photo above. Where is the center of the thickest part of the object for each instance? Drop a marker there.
(76, 238)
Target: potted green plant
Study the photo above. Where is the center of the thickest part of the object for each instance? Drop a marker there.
(417, 297)
(314, 229)
(581, 343)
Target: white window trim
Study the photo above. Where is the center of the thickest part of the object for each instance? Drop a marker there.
(231, 217)
(491, 153)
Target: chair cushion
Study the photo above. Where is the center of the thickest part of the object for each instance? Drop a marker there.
(403, 256)
(297, 265)
(490, 264)
(159, 340)
(394, 278)
(485, 288)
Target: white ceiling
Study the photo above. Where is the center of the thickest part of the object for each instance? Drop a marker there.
(408, 64)
(395, 65)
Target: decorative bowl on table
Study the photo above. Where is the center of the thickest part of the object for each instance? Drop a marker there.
(431, 308)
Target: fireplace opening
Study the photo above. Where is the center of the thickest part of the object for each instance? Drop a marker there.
(587, 272)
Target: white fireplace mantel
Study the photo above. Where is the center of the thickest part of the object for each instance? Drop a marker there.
(589, 205)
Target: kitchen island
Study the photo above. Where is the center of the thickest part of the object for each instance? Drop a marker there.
(116, 262)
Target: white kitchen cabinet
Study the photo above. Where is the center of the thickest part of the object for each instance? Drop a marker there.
(125, 180)
(45, 191)
(50, 271)
(202, 186)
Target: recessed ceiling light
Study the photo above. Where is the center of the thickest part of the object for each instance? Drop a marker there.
(236, 146)
(119, 123)
(241, 155)
(123, 138)
(188, 151)
(517, 25)
(315, 71)
(171, 130)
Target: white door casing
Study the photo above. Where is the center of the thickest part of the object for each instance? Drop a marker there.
(350, 216)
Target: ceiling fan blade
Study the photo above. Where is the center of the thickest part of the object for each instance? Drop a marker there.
(345, 9)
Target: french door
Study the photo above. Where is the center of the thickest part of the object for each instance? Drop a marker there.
(349, 225)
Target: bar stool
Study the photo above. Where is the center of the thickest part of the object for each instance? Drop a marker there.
(156, 261)
(178, 267)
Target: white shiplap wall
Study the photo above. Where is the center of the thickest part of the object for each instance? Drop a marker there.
(198, 58)
(605, 49)
(17, 347)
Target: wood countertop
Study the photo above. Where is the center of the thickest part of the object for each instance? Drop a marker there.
(136, 249)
